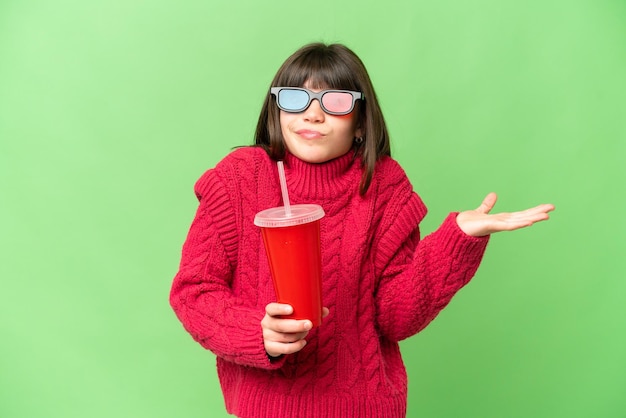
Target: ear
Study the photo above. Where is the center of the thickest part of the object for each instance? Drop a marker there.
(358, 132)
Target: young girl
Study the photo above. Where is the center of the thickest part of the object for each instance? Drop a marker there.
(381, 282)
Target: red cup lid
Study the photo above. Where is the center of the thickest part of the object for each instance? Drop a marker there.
(277, 218)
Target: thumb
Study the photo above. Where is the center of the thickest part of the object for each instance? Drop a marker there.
(488, 203)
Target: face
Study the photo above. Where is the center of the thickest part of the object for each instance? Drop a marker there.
(315, 136)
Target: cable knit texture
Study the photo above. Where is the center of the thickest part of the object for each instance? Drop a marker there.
(381, 283)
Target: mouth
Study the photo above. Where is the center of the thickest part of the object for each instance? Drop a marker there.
(309, 134)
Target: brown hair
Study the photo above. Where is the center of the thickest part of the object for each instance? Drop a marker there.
(331, 66)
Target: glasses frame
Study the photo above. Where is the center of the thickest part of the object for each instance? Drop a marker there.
(356, 95)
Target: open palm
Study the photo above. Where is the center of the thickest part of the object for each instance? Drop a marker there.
(480, 222)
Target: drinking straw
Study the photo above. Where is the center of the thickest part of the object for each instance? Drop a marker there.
(283, 187)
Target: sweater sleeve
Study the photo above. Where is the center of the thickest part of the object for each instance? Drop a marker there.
(419, 278)
(201, 293)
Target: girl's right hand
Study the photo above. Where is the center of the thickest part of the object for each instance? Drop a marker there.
(282, 335)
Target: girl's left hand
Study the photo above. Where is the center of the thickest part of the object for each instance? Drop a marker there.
(479, 222)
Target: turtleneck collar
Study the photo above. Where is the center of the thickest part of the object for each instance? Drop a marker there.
(310, 182)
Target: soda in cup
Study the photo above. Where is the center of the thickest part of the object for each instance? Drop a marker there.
(292, 244)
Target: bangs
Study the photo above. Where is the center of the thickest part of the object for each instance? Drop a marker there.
(322, 69)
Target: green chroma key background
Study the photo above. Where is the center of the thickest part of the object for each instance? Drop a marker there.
(110, 110)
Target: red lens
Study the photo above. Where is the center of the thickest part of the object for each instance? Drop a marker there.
(337, 102)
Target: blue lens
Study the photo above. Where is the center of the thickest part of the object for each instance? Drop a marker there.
(293, 99)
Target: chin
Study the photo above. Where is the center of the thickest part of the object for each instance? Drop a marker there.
(312, 157)
(314, 160)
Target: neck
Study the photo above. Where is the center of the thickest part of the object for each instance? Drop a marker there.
(310, 182)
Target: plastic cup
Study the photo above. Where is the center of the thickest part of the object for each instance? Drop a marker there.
(292, 244)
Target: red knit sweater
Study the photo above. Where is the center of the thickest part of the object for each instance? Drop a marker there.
(380, 282)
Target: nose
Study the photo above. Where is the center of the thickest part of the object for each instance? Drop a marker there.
(314, 113)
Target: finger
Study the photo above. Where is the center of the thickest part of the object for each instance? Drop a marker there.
(276, 349)
(275, 335)
(284, 331)
(513, 221)
(541, 209)
(287, 326)
(546, 208)
(488, 203)
(283, 337)
(325, 312)
(532, 215)
(277, 309)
